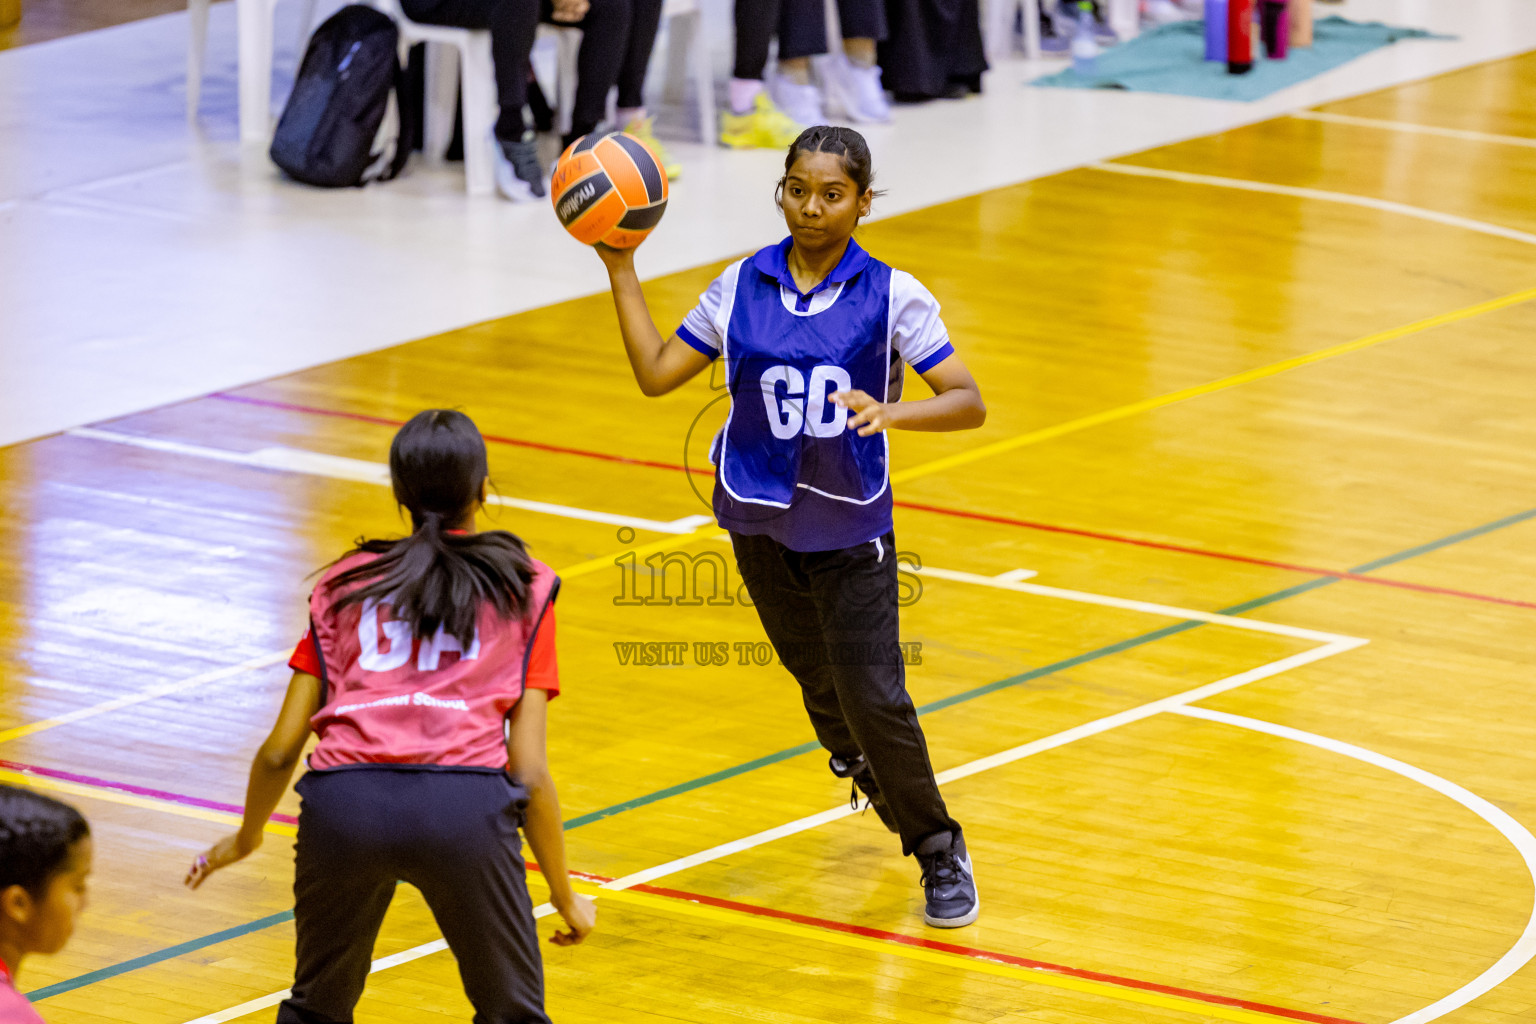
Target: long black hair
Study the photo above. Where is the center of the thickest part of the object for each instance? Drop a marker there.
(37, 834)
(433, 578)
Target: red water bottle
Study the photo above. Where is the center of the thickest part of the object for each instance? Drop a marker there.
(1239, 36)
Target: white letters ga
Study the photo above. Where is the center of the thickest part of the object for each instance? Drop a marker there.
(804, 408)
(401, 641)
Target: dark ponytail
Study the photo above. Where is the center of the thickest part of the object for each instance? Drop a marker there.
(37, 834)
(435, 579)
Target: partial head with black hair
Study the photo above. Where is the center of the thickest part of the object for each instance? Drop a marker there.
(37, 833)
(444, 573)
(45, 860)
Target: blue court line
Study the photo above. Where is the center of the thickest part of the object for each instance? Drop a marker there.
(193, 945)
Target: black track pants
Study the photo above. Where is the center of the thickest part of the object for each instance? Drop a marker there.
(832, 617)
(451, 834)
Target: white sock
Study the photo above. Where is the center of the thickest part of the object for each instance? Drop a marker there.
(628, 115)
(744, 93)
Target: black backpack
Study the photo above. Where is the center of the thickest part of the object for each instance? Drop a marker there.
(330, 125)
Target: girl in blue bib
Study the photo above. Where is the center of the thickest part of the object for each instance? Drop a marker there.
(813, 334)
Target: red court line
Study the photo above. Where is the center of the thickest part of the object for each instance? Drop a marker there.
(1356, 577)
(972, 953)
(125, 787)
(515, 442)
(986, 517)
(968, 952)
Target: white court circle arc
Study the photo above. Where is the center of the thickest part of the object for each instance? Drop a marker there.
(1524, 949)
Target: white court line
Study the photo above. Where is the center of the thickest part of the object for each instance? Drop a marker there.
(1007, 581)
(1524, 949)
(1384, 205)
(1334, 644)
(337, 467)
(811, 821)
(1413, 129)
(151, 693)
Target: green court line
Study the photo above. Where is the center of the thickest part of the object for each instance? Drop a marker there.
(702, 781)
(170, 952)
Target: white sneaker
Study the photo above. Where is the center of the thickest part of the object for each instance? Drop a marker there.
(801, 102)
(854, 92)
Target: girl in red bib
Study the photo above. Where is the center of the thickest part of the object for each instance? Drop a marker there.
(425, 674)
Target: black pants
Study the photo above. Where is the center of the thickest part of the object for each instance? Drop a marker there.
(934, 45)
(832, 617)
(644, 21)
(451, 834)
(512, 24)
(801, 26)
(604, 45)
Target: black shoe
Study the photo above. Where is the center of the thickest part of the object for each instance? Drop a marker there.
(864, 779)
(519, 176)
(947, 882)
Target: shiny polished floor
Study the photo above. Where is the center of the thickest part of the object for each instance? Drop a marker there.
(1224, 616)
(204, 264)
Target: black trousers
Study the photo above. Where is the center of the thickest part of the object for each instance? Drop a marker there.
(605, 37)
(644, 22)
(801, 26)
(451, 834)
(832, 617)
(512, 24)
(933, 46)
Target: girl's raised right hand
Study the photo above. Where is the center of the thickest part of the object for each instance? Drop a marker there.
(221, 854)
(581, 916)
(615, 258)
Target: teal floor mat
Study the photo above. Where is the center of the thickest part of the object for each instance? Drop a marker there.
(1171, 59)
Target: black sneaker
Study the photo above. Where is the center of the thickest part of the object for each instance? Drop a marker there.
(864, 779)
(947, 881)
(519, 176)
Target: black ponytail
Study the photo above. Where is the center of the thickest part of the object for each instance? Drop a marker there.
(433, 578)
(37, 834)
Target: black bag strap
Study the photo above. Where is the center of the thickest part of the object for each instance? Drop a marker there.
(408, 105)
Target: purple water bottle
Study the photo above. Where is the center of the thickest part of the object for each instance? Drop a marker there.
(1216, 30)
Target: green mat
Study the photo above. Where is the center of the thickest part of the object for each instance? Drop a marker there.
(1171, 59)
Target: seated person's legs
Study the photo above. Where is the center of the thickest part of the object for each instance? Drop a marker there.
(605, 37)
(753, 120)
(853, 80)
(802, 33)
(631, 115)
(512, 24)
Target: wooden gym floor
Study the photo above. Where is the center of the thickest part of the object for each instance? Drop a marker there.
(1306, 404)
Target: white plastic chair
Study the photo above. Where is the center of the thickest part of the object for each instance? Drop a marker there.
(997, 28)
(447, 50)
(254, 28)
(688, 56)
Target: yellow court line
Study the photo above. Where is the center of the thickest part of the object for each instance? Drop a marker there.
(925, 469)
(666, 543)
(114, 796)
(1248, 376)
(734, 918)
